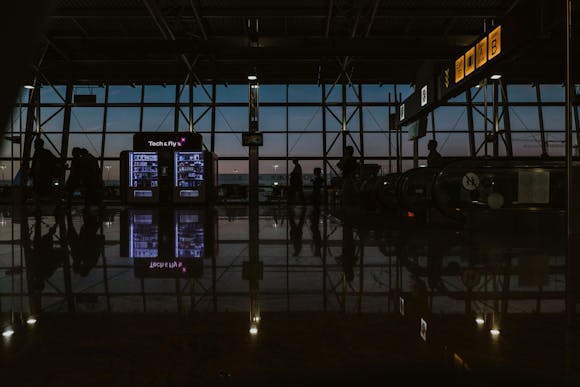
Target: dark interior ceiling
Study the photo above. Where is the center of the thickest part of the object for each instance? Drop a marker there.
(287, 41)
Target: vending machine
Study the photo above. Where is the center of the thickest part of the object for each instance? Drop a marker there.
(140, 175)
(145, 177)
(188, 175)
(194, 174)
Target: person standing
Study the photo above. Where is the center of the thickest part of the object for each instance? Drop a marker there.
(434, 158)
(43, 170)
(92, 179)
(75, 175)
(349, 167)
(296, 193)
(317, 187)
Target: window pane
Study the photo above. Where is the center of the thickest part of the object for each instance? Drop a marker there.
(53, 124)
(231, 119)
(526, 144)
(524, 118)
(552, 93)
(158, 119)
(272, 93)
(375, 119)
(116, 143)
(304, 93)
(374, 93)
(87, 119)
(123, 119)
(272, 119)
(49, 94)
(229, 144)
(274, 145)
(305, 144)
(305, 119)
(159, 93)
(521, 93)
(234, 93)
(124, 94)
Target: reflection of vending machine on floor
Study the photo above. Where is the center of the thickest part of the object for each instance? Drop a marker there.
(168, 243)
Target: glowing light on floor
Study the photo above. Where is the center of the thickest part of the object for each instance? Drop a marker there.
(31, 321)
(253, 330)
(8, 332)
(479, 321)
(494, 332)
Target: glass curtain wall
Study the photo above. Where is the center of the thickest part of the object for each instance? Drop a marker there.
(309, 122)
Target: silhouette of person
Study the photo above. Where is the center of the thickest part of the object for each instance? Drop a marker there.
(434, 158)
(87, 245)
(44, 169)
(296, 226)
(92, 180)
(349, 166)
(44, 258)
(317, 187)
(315, 231)
(347, 258)
(75, 175)
(296, 194)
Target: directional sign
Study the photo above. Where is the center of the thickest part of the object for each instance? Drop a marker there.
(424, 96)
(402, 112)
(494, 43)
(470, 61)
(481, 53)
(459, 68)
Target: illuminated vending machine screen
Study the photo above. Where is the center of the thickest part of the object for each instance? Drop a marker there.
(143, 236)
(189, 235)
(143, 173)
(189, 173)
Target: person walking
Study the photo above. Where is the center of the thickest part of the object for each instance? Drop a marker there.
(296, 192)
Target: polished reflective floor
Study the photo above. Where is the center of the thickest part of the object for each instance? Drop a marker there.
(268, 295)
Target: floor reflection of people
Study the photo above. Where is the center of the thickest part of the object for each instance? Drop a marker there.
(44, 258)
(347, 257)
(87, 245)
(296, 226)
(315, 231)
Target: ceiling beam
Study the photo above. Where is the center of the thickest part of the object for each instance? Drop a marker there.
(276, 12)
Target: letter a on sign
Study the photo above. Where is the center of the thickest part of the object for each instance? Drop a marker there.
(481, 53)
(494, 43)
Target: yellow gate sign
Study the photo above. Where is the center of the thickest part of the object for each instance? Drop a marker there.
(481, 53)
(459, 69)
(470, 61)
(494, 43)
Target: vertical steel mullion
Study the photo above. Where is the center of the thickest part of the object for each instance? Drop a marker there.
(287, 134)
(361, 125)
(66, 124)
(390, 129)
(33, 100)
(324, 144)
(470, 124)
(343, 128)
(495, 119)
(190, 107)
(176, 109)
(142, 102)
(507, 121)
(213, 109)
(104, 131)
